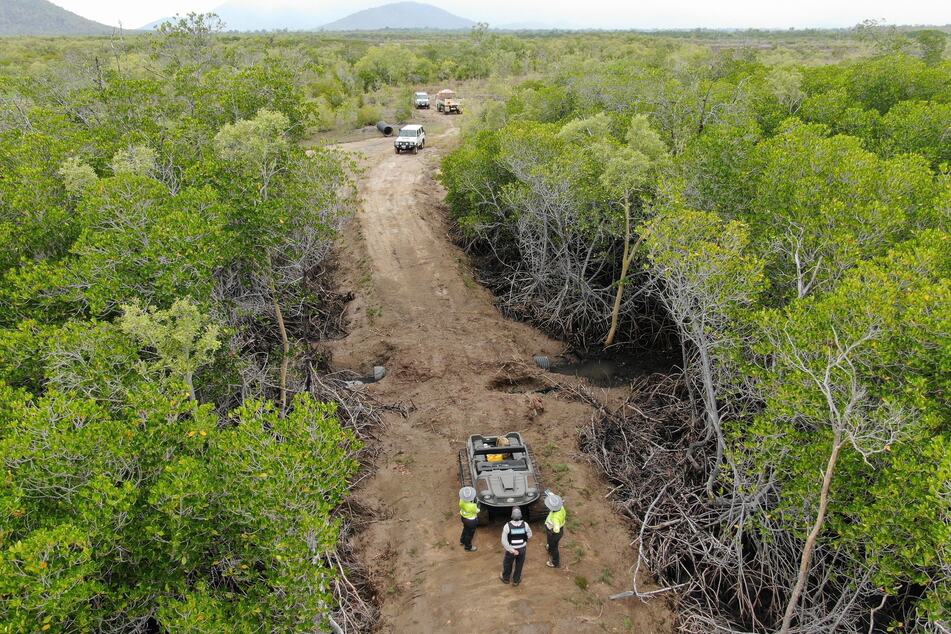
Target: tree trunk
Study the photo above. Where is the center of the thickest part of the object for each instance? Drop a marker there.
(810, 546)
(710, 406)
(99, 81)
(616, 311)
(626, 260)
(286, 353)
(189, 381)
(285, 343)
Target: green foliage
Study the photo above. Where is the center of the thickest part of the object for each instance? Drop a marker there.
(536, 101)
(785, 85)
(635, 166)
(861, 350)
(471, 175)
(708, 275)
(368, 114)
(702, 248)
(324, 116)
(255, 145)
(405, 106)
(881, 83)
(136, 215)
(626, 171)
(94, 359)
(919, 127)
(134, 245)
(834, 202)
(249, 502)
(49, 580)
(587, 130)
(184, 340)
(137, 159)
(932, 43)
(390, 64)
(77, 176)
(643, 139)
(36, 219)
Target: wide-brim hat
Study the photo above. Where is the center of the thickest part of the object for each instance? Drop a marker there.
(467, 494)
(554, 502)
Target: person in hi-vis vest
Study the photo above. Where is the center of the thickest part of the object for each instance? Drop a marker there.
(554, 527)
(469, 511)
(515, 536)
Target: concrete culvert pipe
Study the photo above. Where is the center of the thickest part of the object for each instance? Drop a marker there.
(385, 128)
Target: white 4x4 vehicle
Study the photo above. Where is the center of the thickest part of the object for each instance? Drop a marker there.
(412, 138)
(421, 100)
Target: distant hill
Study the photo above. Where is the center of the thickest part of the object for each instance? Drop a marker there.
(400, 15)
(39, 17)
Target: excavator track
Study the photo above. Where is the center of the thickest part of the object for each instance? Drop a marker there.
(465, 475)
(536, 467)
(536, 510)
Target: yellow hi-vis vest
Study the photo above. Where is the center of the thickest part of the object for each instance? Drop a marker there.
(556, 520)
(469, 510)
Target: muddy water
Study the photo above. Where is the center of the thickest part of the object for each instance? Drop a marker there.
(617, 370)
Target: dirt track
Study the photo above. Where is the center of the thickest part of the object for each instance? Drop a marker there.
(444, 345)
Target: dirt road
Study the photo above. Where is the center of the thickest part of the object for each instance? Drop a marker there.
(445, 346)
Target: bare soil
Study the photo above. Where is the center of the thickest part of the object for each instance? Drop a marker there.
(460, 368)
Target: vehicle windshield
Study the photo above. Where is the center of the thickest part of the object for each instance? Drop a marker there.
(408, 133)
(421, 94)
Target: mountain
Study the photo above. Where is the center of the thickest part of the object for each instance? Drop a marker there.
(39, 17)
(400, 15)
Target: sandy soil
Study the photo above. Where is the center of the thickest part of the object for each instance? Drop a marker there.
(446, 349)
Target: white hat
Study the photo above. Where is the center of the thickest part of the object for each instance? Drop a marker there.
(467, 494)
(553, 502)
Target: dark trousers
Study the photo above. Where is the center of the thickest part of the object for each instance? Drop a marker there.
(518, 560)
(553, 538)
(468, 530)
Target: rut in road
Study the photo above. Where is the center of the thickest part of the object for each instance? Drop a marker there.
(444, 345)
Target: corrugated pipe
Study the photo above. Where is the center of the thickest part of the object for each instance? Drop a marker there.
(385, 128)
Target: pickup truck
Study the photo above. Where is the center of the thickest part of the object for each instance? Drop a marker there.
(421, 100)
(447, 102)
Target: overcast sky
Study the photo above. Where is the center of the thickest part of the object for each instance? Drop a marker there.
(638, 14)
